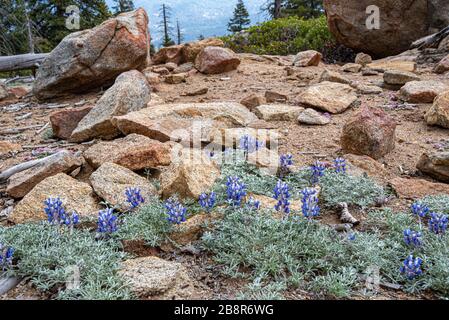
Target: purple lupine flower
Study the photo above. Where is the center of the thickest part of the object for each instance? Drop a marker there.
(310, 206)
(438, 223)
(134, 197)
(340, 165)
(107, 221)
(412, 238)
(411, 267)
(176, 212)
(6, 256)
(250, 144)
(282, 195)
(317, 170)
(420, 209)
(285, 162)
(236, 190)
(207, 201)
(253, 203)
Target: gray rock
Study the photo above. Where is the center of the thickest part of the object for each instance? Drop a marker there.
(313, 117)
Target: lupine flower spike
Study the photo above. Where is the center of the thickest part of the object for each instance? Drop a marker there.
(207, 201)
(107, 221)
(250, 144)
(6, 256)
(175, 211)
(340, 165)
(134, 197)
(282, 195)
(55, 210)
(236, 190)
(438, 223)
(420, 209)
(317, 170)
(285, 162)
(411, 267)
(253, 204)
(412, 238)
(310, 206)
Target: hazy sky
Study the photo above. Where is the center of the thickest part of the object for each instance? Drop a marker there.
(206, 17)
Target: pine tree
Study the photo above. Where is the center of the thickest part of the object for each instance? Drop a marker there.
(39, 25)
(123, 6)
(240, 19)
(166, 26)
(304, 8)
(180, 35)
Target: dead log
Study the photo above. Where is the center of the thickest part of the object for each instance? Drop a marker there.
(346, 216)
(431, 41)
(21, 62)
(8, 283)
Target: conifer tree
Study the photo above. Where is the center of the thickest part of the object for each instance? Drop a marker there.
(123, 6)
(166, 26)
(240, 20)
(180, 35)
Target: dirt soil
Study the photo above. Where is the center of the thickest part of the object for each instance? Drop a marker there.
(307, 143)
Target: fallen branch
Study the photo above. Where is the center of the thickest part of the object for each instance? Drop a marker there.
(24, 166)
(19, 130)
(344, 227)
(43, 128)
(346, 216)
(8, 283)
(21, 62)
(431, 41)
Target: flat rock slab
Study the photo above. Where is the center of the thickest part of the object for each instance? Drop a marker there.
(307, 58)
(75, 195)
(328, 96)
(22, 182)
(422, 91)
(230, 113)
(134, 152)
(155, 278)
(399, 77)
(313, 117)
(332, 76)
(170, 128)
(417, 188)
(110, 182)
(130, 92)
(278, 112)
(384, 65)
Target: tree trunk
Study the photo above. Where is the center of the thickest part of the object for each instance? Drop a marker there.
(21, 62)
(432, 40)
(277, 9)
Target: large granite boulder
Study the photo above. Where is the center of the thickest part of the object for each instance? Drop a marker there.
(95, 57)
(401, 23)
(130, 92)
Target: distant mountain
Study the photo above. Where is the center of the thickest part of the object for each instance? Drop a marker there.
(200, 17)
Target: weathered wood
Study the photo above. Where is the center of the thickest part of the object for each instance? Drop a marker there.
(432, 40)
(24, 166)
(21, 62)
(8, 283)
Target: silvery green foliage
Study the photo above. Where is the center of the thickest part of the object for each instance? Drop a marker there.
(148, 223)
(438, 203)
(45, 255)
(354, 190)
(258, 290)
(336, 284)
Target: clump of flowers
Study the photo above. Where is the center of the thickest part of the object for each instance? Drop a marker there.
(438, 223)
(107, 221)
(412, 238)
(176, 212)
(134, 197)
(420, 209)
(282, 195)
(6, 256)
(236, 190)
(253, 203)
(340, 165)
(57, 215)
(412, 267)
(310, 206)
(285, 162)
(351, 236)
(207, 201)
(317, 170)
(249, 144)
